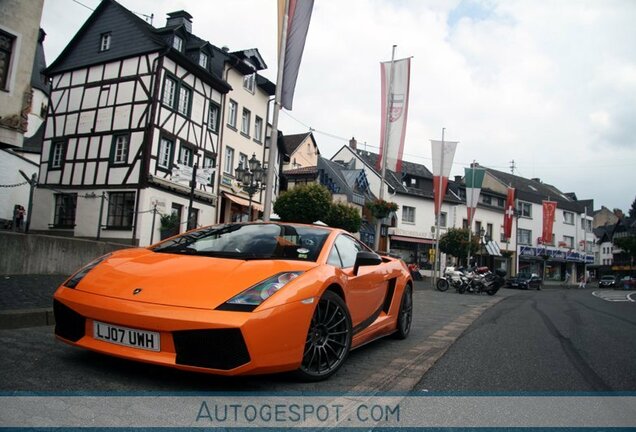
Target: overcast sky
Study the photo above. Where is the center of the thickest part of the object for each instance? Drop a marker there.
(548, 84)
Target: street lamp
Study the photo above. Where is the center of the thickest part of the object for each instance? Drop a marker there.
(252, 179)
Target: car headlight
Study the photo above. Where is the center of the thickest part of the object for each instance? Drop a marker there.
(77, 277)
(249, 299)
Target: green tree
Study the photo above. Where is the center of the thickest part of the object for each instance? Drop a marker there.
(304, 204)
(343, 216)
(455, 242)
(632, 209)
(628, 244)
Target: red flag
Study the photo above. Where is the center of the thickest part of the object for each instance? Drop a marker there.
(509, 213)
(438, 193)
(549, 210)
(299, 16)
(393, 127)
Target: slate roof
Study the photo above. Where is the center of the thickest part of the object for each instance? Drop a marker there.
(425, 189)
(132, 36)
(535, 191)
(292, 142)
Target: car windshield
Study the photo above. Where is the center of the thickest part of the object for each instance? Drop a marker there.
(250, 241)
(607, 278)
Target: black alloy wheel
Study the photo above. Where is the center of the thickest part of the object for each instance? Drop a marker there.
(328, 339)
(405, 314)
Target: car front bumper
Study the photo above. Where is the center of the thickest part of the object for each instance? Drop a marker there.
(203, 340)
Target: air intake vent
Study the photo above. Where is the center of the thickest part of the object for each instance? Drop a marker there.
(68, 323)
(216, 349)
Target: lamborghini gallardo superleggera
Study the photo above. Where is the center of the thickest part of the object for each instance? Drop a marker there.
(245, 298)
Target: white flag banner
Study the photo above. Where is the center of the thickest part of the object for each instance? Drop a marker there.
(443, 154)
(393, 128)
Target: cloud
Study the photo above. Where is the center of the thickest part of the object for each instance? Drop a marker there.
(550, 85)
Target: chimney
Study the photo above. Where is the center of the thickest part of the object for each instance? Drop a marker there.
(225, 48)
(180, 18)
(353, 143)
(458, 179)
(537, 179)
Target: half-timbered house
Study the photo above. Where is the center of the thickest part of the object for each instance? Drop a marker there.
(135, 116)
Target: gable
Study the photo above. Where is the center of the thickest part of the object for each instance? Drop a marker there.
(130, 36)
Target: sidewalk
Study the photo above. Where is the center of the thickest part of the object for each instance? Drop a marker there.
(27, 300)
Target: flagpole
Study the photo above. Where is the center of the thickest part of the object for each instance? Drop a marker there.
(378, 222)
(437, 216)
(470, 219)
(273, 141)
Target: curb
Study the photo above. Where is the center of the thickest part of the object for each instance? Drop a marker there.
(21, 318)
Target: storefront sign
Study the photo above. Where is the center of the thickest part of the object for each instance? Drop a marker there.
(407, 233)
(556, 254)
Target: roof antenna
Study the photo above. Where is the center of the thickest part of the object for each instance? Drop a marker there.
(512, 167)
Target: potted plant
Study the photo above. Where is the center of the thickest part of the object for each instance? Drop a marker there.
(169, 225)
(380, 208)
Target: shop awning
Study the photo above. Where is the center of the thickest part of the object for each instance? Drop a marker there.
(412, 239)
(242, 201)
(493, 248)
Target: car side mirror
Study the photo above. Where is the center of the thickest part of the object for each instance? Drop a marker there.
(365, 258)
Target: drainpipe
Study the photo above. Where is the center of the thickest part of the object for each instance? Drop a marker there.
(148, 135)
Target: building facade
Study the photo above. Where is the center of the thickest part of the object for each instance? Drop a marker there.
(135, 128)
(22, 99)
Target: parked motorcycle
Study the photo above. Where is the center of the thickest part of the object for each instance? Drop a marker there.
(476, 280)
(483, 280)
(455, 277)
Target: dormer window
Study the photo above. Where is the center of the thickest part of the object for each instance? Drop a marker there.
(104, 44)
(203, 60)
(248, 82)
(177, 43)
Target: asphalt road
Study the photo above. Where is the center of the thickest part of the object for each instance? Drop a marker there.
(546, 341)
(33, 360)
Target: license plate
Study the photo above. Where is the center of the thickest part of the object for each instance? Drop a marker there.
(130, 337)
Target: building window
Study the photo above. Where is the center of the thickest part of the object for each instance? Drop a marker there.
(233, 112)
(177, 95)
(6, 50)
(248, 82)
(524, 236)
(442, 219)
(177, 209)
(258, 129)
(177, 43)
(57, 154)
(165, 153)
(193, 218)
(486, 199)
(568, 218)
(169, 90)
(185, 96)
(477, 232)
(186, 155)
(243, 161)
(228, 168)
(121, 208)
(569, 241)
(120, 149)
(524, 209)
(104, 42)
(213, 117)
(245, 121)
(64, 215)
(208, 163)
(408, 214)
(203, 60)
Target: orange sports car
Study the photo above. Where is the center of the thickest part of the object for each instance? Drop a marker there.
(244, 298)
